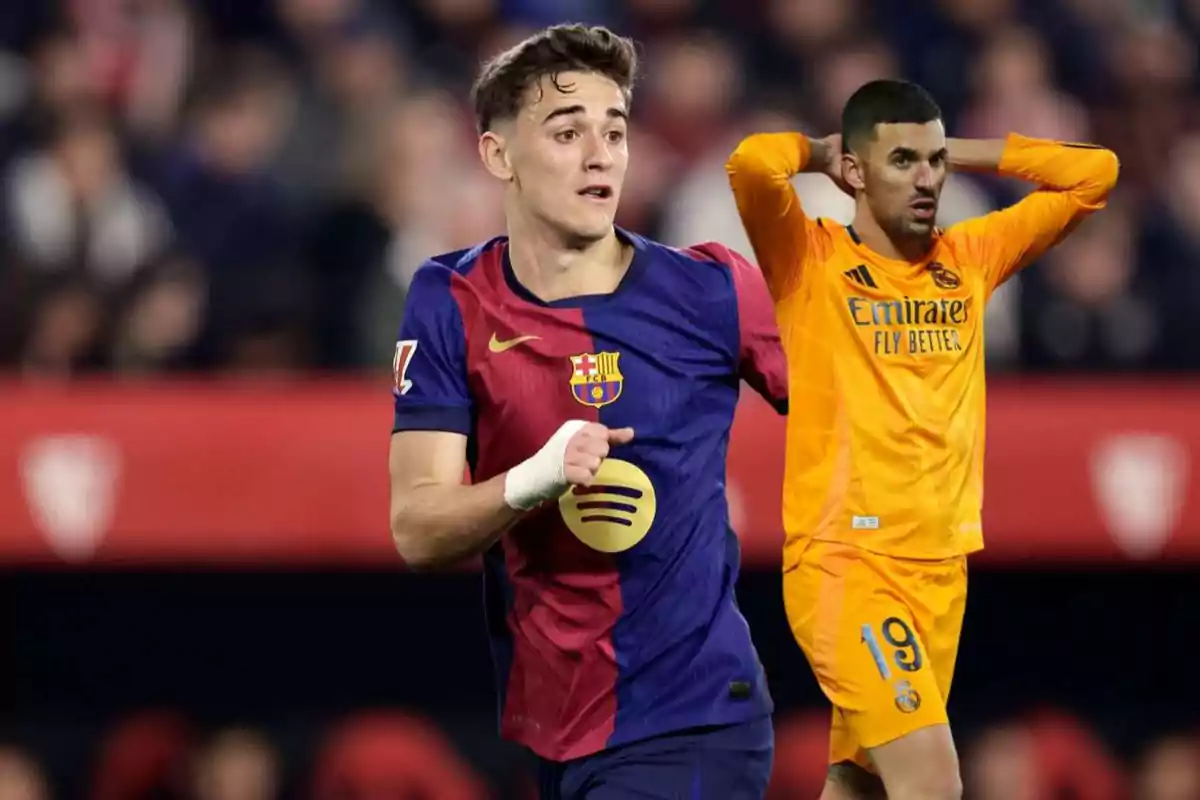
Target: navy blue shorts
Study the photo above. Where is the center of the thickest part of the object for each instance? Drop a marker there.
(730, 762)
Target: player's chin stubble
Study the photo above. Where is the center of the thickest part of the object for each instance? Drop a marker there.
(920, 229)
(916, 228)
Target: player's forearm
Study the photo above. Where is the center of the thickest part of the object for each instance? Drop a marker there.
(1088, 171)
(975, 155)
(439, 524)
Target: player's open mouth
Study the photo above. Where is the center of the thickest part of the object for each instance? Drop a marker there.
(925, 208)
(597, 192)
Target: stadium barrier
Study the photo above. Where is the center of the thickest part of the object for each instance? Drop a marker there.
(295, 473)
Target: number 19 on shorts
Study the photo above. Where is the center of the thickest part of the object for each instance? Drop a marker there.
(899, 637)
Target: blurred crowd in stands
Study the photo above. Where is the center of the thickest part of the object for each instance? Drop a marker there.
(391, 755)
(248, 185)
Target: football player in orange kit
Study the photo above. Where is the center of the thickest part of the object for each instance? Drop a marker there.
(882, 322)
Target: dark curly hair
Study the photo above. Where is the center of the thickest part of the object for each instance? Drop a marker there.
(500, 88)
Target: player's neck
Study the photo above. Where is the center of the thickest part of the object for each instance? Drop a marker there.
(897, 248)
(553, 270)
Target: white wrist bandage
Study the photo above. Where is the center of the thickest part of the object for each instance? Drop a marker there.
(540, 477)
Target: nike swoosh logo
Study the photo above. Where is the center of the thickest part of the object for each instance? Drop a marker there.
(497, 346)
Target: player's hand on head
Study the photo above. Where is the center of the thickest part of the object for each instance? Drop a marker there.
(832, 165)
(587, 449)
(834, 143)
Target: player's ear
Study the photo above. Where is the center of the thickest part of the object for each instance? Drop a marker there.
(853, 171)
(494, 152)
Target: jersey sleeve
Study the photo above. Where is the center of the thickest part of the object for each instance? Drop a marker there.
(760, 174)
(430, 365)
(761, 362)
(1073, 181)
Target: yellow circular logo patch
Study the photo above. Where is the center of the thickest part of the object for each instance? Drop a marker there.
(615, 512)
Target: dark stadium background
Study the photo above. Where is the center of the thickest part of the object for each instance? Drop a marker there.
(211, 211)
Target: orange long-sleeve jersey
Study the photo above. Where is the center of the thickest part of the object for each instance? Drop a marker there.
(885, 432)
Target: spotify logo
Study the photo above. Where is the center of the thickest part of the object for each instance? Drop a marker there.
(615, 512)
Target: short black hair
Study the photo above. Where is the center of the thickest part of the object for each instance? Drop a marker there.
(500, 88)
(885, 102)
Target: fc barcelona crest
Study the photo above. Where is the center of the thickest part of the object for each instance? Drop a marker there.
(596, 378)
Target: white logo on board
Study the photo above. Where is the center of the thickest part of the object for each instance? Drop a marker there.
(70, 485)
(1139, 481)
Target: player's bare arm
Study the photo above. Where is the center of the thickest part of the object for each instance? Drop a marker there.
(760, 171)
(975, 155)
(436, 520)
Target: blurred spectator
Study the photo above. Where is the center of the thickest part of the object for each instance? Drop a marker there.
(310, 23)
(841, 72)
(353, 70)
(1001, 764)
(73, 207)
(1040, 755)
(426, 193)
(453, 35)
(1088, 305)
(137, 56)
(144, 757)
(702, 207)
(793, 37)
(58, 82)
(1169, 770)
(216, 181)
(801, 756)
(160, 320)
(1013, 90)
(231, 214)
(939, 48)
(648, 19)
(63, 330)
(237, 764)
(1151, 103)
(20, 776)
(689, 94)
(1171, 253)
(386, 755)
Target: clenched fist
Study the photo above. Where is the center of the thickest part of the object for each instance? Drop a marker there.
(570, 457)
(586, 450)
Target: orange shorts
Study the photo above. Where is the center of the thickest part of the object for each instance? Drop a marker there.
(881, 634)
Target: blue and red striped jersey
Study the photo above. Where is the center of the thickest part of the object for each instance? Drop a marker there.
(612, 613)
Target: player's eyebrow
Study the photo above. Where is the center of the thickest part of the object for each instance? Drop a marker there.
(911, 153)
(566, 111)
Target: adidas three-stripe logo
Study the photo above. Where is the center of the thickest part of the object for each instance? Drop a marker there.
(861, 275)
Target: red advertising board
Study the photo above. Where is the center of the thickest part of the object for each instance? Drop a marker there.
(296, 474)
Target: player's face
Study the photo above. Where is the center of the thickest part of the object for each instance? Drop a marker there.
(902, 172)
(568, 153)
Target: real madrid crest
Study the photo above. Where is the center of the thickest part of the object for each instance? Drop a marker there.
(908, 699)
(942, 277)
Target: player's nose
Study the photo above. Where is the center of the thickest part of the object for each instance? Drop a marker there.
(598, 155)
(925, 177)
